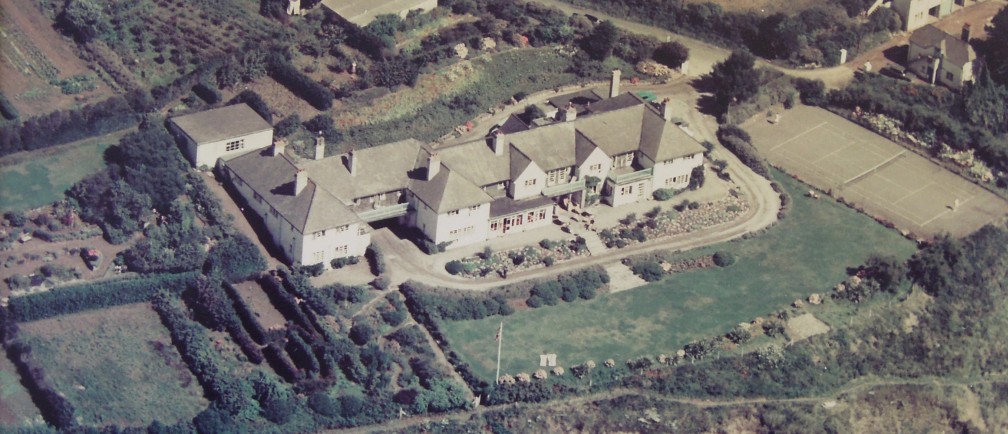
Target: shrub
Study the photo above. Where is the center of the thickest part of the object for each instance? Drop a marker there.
(321, 403)
(548, 261)
(737, 141)
(650, 271)
(256, 102)
(362, 333)
(287, 126)
(724, 258)
(16, 218)
(7, 110)
(236, 258)
(300, 84)
(381, 283)
(663, 194)
(376, 260)
(207, 93)
(455, 267)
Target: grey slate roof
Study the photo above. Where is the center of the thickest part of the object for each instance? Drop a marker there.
(663, 141)
(957, 51)
(312, 210)
(616, 132)
(477, 162)
(448, 191)
(221, 123)
(380, 169)
(550, 147)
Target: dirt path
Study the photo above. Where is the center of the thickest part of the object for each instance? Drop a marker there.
(850, 388)
(703, 55)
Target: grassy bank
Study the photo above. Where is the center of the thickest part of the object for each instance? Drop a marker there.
(806, 252)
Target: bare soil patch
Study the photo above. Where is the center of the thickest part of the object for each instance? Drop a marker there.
(265, 312)
(34, 53)
(805, 326)
(282, 101)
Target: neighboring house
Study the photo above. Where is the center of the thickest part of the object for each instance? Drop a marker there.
(917, 13)
(362, 12)
(318, 209)
(940, 58)
(225, 132)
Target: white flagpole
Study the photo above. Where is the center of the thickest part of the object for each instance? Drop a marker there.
(500, 340)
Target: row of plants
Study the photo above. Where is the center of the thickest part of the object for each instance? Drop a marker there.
(685, 217)
(501, 263)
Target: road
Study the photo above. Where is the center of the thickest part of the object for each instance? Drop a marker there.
(703, 55)
(411, 263)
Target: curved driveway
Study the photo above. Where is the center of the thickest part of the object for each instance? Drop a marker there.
(408, 262)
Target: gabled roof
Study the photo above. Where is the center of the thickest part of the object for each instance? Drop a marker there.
(312, 210)
(380, 169)
(477, 161)
(519, 162)
(448, 191)
(662, 140)
(221, 123)
(512, 124)
(621, 101)
(549, 147)
(583, 148)
(957, 51)
(616, 132)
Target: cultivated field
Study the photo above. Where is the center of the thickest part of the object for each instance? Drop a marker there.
(805, 253)
(116, 365)
(876, 174)
(34, 55)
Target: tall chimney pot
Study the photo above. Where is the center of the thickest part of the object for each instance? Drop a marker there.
(497, 142)
(351, 162)
(965, 32)
(433, 165)
(300, 181)
(278, 147)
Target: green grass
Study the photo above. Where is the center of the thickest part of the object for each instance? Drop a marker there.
(41, 177)
(105, 362)
(806, 252)
(16, 407)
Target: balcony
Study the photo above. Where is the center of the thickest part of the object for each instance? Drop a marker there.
(628, 177)
(561, 189)
(383, 213)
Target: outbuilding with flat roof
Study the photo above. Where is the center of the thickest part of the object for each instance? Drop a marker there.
(225, 132)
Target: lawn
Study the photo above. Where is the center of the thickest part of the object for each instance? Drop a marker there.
(33, 179)
(116, 366)
(806, 252)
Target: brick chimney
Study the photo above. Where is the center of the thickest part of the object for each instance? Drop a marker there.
(614, 84)
(965, 32)
(351, 162)
(319, 146)
(497, 142)
(278, 148)
(569, 113)
(666, 109)
(300, 181)
(433, 165)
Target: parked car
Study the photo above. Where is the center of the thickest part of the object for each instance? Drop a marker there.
(895, 71)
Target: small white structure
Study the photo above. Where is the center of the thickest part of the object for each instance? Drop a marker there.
(225, 132)
(362, 12)
(293, 7)
(941, 58)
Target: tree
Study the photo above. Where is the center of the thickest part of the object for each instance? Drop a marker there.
(362, 333)
(671, 54)
(997, 47)
(385, 24)
(985, 103)
(84, 19)
(395, 71)
(235, 257)
(734, 79)
(599, 44)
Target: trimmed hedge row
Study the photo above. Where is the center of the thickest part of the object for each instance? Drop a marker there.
(300, 84)
(285, 302)
(64, 126)
(376, 260)
(77, 298)
(739, 143)
(231, 394)
(246, 314)
(54, 408)
(7, 109)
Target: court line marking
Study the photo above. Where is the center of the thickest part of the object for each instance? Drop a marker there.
(798, 135)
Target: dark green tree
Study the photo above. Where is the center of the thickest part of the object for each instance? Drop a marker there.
(671, 54)
(599, 44)
(734, 79)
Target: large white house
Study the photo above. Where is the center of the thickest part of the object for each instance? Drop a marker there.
(618, 150)
(224, 132)
(940, 58)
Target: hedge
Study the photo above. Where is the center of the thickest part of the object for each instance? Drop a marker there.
(376, 260)
(300, 84)
(281, 363)
(54, 408)
(246, 314)
(7, 109)
(230, 393)
(738, 142)
(77, 298)
(64, 126)
(207, 92)
(284, 301)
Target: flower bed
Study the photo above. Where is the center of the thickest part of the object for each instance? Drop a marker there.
(545, 254)
(658, 224)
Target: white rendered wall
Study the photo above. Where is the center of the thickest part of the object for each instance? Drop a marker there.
(521, 191)
(208, 153)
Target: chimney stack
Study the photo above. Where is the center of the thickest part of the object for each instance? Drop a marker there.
(966, 33)
(614, 84)
(278, 147)
(497, 142)
(319, 146)
(433, 165)
(942, 49)
(300, 181)
(569, 113)
(351, 162)
(666, 109)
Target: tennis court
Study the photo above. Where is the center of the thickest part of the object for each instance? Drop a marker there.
(874, 173)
